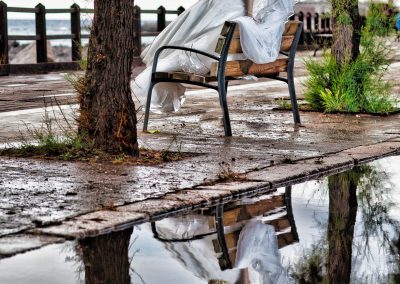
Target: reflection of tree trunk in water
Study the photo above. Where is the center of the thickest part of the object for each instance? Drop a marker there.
(106, 258)
(342, 217)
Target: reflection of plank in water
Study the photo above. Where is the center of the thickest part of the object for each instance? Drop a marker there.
(279, 211)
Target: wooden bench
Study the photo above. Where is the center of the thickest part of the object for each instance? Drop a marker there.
(223, 71)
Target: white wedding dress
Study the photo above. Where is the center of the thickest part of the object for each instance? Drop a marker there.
(199, 27)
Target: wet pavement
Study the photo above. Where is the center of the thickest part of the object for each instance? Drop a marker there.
(47, 201)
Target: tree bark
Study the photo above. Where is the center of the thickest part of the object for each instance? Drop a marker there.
(106, 258)
(346, 23)
(107, 111)
(342, 218)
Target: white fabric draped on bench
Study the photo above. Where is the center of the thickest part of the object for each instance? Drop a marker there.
(199, 27)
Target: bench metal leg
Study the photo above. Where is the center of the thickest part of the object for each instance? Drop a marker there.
(293, 99)
(222, 91)
(147, 111)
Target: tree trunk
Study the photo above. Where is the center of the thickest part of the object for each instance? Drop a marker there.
(342, 218)
(346, 30)
(106, 258)
(107, 111)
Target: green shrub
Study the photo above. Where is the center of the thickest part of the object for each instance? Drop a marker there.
(380, 20)
(356, 86)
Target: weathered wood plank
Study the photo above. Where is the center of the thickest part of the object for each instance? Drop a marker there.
(225, 29)
(287, 41)
(236, 47)
(246, 67)
(291, 27)
(181, 76)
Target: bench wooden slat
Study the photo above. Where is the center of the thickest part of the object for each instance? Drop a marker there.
(287, 41)
(246, 67)
(236, 47)
(225, 29)
(291, 28)
(182, 76)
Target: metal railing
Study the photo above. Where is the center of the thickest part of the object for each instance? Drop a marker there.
(314, 24)
(41, 37)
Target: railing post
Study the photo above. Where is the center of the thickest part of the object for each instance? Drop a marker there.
(76, 42)
(161, 23)
(41, 43)
(137, 32)
(180, 10)
(3, 33)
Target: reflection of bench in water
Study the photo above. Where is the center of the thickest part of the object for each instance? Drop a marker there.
(227, 220)
(276, 210)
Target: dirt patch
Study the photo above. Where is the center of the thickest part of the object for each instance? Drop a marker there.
(146, 157)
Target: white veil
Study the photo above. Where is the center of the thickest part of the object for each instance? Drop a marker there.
(199, 27)
(261, 35)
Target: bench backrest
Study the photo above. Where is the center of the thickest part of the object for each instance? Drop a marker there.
(246, 67)
(235, 46)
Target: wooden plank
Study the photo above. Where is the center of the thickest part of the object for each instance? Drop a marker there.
(291, 27)
(246, 67)
(220, 44)
(76, 43)
(180, 76)
(287, 42)
(59, 11)
(263, 206)
(279, 224)
(232, 239)
(148, 34)
(22, 10)
(41, 44)
(236, 46)
(225, 29)
(51, 37)
(231, 216)
(217, 246)
(24, 37)
(197, 78)
(285, 239)
(161, 75)
(87, 11)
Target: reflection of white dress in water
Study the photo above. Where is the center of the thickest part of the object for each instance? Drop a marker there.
(257, 250)
(199, 27)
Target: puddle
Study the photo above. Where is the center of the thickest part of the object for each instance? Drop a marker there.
(341, 229)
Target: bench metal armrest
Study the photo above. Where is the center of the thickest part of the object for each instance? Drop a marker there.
(162, 48)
